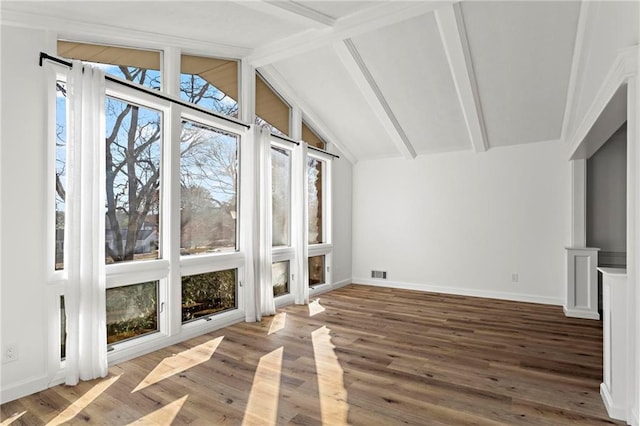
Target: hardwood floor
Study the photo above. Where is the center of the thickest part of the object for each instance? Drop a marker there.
(360, 355)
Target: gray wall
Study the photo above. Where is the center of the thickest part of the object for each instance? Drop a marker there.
(607, 199)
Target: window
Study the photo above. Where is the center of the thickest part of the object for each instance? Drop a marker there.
(63, 330)
(137, 65)
(132, 311)
(209, 189)
(315, 176)
(211, 83)
(280, 278)
(316, 270)
(281, 195)
(312, 138)
(271, 111)
(133, 147)
(61, 172)
(207, 294)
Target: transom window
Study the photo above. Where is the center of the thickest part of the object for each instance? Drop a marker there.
(211, 83)
(272, 112)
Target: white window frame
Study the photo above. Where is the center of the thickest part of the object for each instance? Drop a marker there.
(326, 248)
(286, 253)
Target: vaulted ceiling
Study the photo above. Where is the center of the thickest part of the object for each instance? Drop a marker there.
(375, 78)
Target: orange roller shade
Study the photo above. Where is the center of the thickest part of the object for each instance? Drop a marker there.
(113, 55)
(270, 107)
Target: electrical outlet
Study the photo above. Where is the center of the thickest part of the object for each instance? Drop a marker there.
(10, 353)
(514, 277)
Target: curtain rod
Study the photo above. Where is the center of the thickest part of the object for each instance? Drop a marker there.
(323, 151)
(284, 138)
(44, 56)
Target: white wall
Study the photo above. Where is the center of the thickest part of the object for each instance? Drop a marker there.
(22, 274)
(607, 195)
(463, 222)
(341, 205)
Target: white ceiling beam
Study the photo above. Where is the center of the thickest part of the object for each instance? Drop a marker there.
(295, 13)
(275, 79)
(360, 74)
(456, 47)
(368, 20)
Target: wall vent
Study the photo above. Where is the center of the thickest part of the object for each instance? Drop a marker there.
(381, 275)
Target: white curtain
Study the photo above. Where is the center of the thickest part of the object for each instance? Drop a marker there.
(300, 235)
(266, 305)
(86, 348)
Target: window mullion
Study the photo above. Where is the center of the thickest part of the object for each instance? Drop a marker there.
(171, 223)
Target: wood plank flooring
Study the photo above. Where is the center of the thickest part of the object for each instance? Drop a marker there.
(359, 355)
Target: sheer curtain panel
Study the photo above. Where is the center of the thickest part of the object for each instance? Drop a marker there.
(86, 349)
(267, 304)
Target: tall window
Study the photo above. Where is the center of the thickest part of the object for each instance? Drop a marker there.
(315, 177)
(61, 171)
(211, 83)
(272, 112)
(209, 189)
(134, 139)
(281, 195)
(169, 205)
(318, 225)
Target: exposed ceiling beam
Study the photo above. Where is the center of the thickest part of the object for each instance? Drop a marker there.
(368, 20)
(293, 12)
(359, 72)
(271, 74)
(456, 47)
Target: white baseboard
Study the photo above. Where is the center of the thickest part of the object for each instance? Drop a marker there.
(615, 411)
(341, 283)
(24, 388)
(577, 313)
(472, 292)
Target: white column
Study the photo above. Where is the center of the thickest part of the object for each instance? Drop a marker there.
(615, 377)
(578, 203)
(633, 248)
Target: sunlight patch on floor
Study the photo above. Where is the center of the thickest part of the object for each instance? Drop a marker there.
(163, 416)
(262, 407)
(333, 396)
(180, 362)
(83, 402)
(12, 419)
(315, 307)
(278, 322)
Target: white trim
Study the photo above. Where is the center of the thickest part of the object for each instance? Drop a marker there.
(357, 69)
(614, 411)
(295, 13)
(25, 387)
(471, 292)
(575, 64)
(106, 34)
(624, 66)
(456, 47)
(370, 19)
(580, 313)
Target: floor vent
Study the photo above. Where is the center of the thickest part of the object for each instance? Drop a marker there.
(382, 275)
